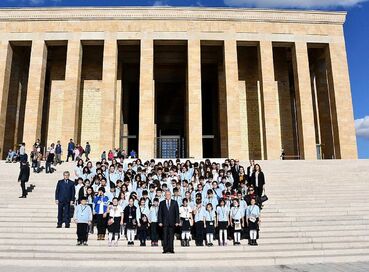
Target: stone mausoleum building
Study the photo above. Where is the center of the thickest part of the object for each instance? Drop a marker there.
(186, 82)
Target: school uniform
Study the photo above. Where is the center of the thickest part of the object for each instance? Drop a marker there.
(142, 229)
(115, 216)
(130, 222)
(185, 216)
(82, 215)
(199, 225)
(252, 216)
(153, 217)
(236, 215)
(210, 221)
(223, 215)
(100, 207)
(213, 201)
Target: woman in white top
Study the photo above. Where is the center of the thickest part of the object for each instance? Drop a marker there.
(114, 222)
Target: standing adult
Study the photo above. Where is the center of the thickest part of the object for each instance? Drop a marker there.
(87, 151)
(22, 152)
(258, 180)
(58, 152)
(168, 218)
(24, 177)
(64, 198)
(71, 147)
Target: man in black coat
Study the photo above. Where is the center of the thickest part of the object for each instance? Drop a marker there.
(64, 198)
(168, 218)
(23, 177)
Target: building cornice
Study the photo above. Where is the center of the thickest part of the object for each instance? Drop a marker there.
(171, 13)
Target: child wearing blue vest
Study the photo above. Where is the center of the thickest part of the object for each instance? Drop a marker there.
(83, 218)
(101, 203)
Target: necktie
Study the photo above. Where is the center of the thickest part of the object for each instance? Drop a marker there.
(168, 205)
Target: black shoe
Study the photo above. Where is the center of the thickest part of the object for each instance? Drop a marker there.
(172, 251)
(255, 243)
(165, 252)
(22, 196)
(79, 243)
(58, 226)
(183, 243)
(85, 244)
(67, 226)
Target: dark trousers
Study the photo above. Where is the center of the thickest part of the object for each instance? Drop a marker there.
(101, 224)
(70, 154)
(168, 239)
(63, 213)
(199, 233)
(48, 168)
(142, 235)
(23, 186)
(154, 232)
(82, 232)
(259, 191)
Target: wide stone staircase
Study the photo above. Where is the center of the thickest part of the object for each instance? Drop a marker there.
(318, 212)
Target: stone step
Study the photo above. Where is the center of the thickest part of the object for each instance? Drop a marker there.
(172, 261)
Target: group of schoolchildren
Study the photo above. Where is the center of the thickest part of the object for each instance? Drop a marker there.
(216, 201)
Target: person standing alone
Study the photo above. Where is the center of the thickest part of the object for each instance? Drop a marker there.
(64, 198)
(168, 218)
(24, 177)
(71, 147)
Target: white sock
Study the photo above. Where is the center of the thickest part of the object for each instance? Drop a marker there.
(211, 238)
(183, 235)
(110, 237)
(221, 240)
(225, 236)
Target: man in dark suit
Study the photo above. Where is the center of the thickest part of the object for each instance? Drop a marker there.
(168, 218)
(23, 177)
(64, 198)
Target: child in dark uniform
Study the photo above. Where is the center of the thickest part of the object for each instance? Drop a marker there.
(130, 222)
(142, 229)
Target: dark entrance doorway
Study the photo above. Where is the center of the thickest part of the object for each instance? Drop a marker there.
(170, 71)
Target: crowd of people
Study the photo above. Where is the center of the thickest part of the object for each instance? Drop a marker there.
(197, 201)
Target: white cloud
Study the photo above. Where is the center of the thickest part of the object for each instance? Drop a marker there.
(294, 3)
(362, 127)
(160, 3)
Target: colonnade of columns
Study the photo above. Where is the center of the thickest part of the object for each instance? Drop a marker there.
(271, 135)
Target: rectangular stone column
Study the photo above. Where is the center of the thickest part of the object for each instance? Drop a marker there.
(6, 54)
(71, 107)
(232, 97)
(109, 84)
(147, 101)
(35, 94)
(339, 79)
(305, 113)
(194, 106)
(272, 134)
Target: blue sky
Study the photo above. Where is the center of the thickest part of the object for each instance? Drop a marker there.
(356, 32)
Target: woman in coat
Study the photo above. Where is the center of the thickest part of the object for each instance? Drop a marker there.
(23, 178)
(258, 180)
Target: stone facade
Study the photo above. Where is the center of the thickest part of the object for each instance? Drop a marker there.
(268, 92)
